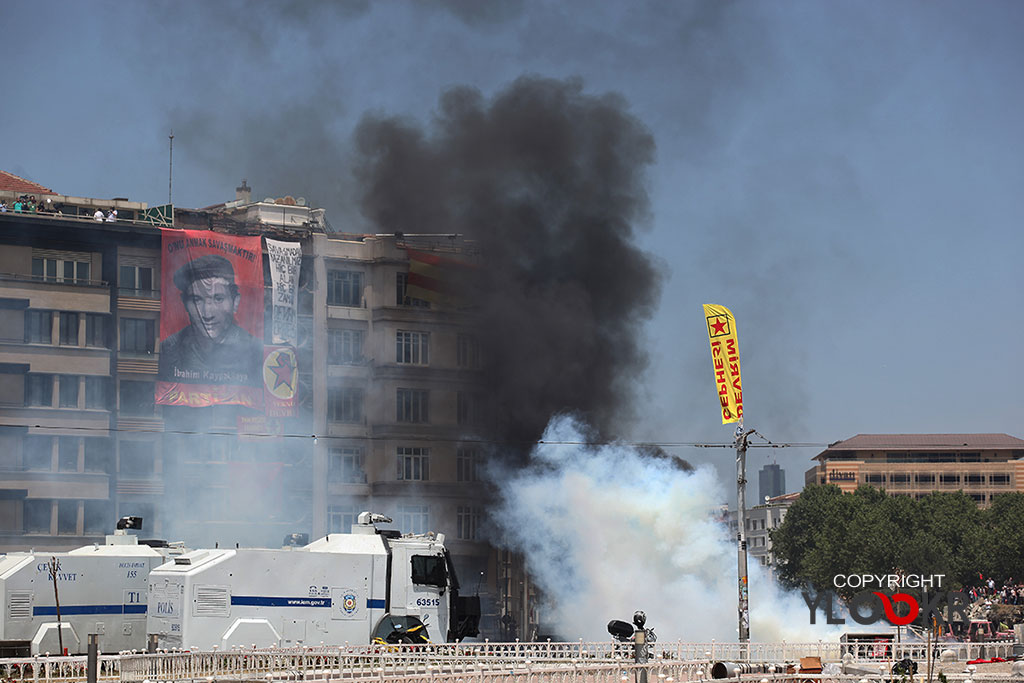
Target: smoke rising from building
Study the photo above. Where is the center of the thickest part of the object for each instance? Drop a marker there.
(607, 530)
(550, 182)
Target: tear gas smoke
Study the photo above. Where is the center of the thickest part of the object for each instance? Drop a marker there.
(607, 530)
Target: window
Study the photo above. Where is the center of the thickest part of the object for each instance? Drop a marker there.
(344, 288)
(44, 268)
(467, 351)
(68, 393)
(413, 464)
(67, 454)
(401, 298)
(412, 405)
(37, 516)
(67, 517)
(137, 398)
(344, 347)
(467, 408)
(949, 478)
(875, 478)
(924, 478)
(467, 523)
(39, 390)
(37, 453)
(345, 405)
(60, 270)
(412, 347)
(346, 465)
(97, 456)
(429, 570)
(95, 330)
(340, 518)
(68, 329)
(413, 519)
(136, 460)
(899, 478)
(97, 393)
(98, 517)
(974, 479)
(467, 464)
(999, 479)
(38, 327)
(137, 335)
(978, 497)
(136, 281)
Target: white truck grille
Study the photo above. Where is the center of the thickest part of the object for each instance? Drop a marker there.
(212, 601)
(20, 605)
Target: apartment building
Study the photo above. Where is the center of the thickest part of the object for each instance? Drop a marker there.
(982, 465)
(761, 520)
(61, 380)
(389, 406)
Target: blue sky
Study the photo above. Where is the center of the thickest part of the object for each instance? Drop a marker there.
(846, 177)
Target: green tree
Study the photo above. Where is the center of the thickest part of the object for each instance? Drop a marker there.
(1003, 540)
(809, 542)
(826, 533)
(955, 525)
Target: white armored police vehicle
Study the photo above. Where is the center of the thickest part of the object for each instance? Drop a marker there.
(371, 585)
(99, 589)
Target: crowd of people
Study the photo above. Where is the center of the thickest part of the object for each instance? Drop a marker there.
(1009, 594)
(27, 203)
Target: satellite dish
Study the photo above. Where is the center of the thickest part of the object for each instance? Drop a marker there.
(268, 200)
(301, 201)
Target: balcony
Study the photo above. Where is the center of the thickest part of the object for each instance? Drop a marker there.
(84, 296)
(138, 299)
(49, 484)
(97, 422)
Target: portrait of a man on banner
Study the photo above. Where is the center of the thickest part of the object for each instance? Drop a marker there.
(211, 320)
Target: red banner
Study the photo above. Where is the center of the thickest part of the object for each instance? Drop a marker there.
(211, 320)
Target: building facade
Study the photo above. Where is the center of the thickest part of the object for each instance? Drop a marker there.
(761, 520)
(982, 465)
(389, 404)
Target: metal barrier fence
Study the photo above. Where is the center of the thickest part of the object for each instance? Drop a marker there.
(472, 661)
(69, 669)
(834, 652)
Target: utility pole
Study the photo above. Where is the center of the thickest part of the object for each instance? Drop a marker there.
(743, 606)
(54, 568)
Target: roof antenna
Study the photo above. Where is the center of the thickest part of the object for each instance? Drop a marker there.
(170, 164)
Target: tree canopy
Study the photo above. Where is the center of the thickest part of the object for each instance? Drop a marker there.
(826, 533)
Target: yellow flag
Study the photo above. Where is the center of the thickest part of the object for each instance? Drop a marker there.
(725, 357)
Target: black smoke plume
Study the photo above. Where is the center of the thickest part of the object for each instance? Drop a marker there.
(550, 183)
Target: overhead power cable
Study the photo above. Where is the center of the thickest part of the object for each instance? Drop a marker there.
(433, 438)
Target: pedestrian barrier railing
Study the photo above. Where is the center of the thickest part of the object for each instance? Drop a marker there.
(471, 661)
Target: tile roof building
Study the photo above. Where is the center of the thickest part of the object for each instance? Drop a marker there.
(982, 465)
(16, 185)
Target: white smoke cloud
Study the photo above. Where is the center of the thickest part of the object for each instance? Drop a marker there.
(607, 531)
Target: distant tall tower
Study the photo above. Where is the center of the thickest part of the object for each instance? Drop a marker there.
(771, 482)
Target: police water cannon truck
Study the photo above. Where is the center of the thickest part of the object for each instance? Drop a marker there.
(370, 585)
(99, 589)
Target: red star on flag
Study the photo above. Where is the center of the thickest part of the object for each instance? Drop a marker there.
(718, 327)
(283, 370)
